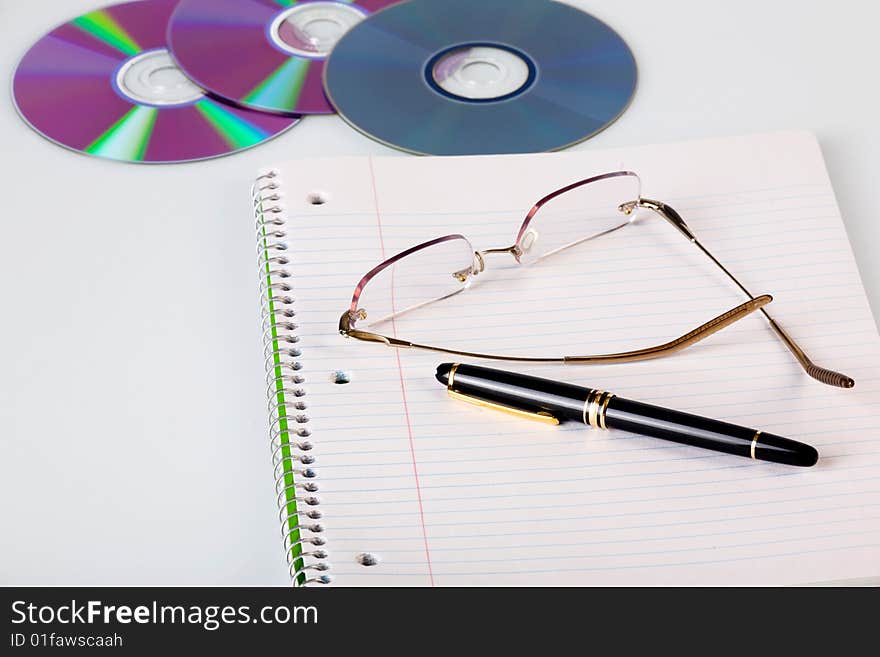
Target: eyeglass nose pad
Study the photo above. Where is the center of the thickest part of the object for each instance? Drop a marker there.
(529, 240)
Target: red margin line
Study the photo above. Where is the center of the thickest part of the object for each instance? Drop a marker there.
(412, 449)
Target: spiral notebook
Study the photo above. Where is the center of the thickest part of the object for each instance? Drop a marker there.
(383, 480)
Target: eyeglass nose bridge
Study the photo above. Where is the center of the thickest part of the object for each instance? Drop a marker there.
(480, 257)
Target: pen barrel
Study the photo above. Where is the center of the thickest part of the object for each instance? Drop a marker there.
(602, 410)
(698, 431)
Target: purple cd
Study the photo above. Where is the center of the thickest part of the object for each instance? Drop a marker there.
(264, 54)
(105, 84)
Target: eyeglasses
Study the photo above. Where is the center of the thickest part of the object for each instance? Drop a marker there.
(586, 210)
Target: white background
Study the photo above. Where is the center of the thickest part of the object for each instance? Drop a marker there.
(132, 416)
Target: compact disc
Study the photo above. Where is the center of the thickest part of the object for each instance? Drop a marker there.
(263, 54)
(105, 84)
(497, 76)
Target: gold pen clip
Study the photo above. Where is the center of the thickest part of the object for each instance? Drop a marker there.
(541, 416)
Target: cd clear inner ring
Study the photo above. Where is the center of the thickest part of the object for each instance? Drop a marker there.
(152, 78)
(480, 72)
(312, 29)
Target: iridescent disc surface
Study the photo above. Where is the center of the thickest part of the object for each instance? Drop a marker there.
(458, 77)
(263, 54)
(104, 84)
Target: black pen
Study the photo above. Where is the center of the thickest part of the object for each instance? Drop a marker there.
(554, 402)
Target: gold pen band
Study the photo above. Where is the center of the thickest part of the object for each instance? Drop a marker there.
(596, 408)
(755, 445)
(603, 412)
(452, 376)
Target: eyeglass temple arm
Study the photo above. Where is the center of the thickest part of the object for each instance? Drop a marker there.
(346, 328)
(829, 377)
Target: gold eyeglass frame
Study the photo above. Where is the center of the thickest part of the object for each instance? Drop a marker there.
(348, 329)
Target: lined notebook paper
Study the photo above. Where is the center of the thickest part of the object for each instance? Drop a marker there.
(441, 493)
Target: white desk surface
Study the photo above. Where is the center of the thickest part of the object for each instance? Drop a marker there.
(132, 415)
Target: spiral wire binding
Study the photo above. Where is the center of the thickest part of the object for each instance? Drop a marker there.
(295, 480)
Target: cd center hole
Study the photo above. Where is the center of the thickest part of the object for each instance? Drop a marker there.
(481, 72)
(167, 77)
(323, 30)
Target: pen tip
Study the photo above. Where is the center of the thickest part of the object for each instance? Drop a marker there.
(443, 373)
